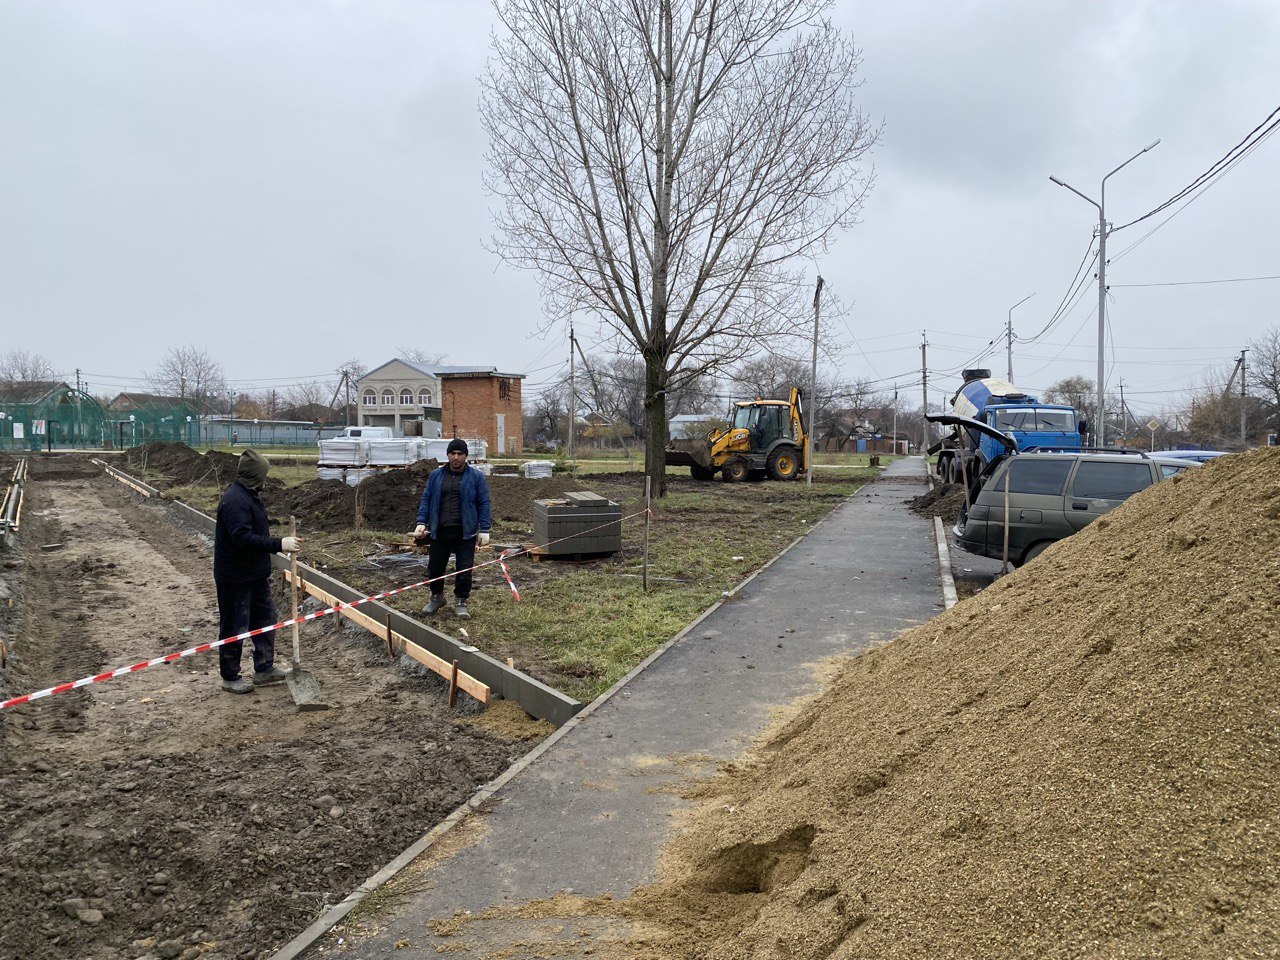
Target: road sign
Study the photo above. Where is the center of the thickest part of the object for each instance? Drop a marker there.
(1153, 424)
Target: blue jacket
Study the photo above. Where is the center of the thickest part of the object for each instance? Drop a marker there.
(242, 543)
(476, 516)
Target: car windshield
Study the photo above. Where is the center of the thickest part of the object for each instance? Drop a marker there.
(1035, 420)
(744, 417)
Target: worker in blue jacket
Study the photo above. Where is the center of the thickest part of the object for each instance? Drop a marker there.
(242, 548)
(455, 512)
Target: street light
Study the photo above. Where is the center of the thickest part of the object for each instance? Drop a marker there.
(1008, 332)
(1101, 428)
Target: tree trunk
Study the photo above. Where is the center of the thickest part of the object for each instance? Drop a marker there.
(655, 409)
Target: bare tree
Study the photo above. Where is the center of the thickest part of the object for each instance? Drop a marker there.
(310, 392)
(838, 406)
(1264, 373)
(548, 411)
(665, 166)
(190, 374)
(420, 356)
(19, 366)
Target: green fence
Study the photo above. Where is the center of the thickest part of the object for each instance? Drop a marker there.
(67, 418)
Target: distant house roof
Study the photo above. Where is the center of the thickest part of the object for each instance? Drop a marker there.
(445, 371)
(130, 400)
(29, 391)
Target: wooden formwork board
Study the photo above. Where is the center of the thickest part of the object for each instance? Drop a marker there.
(449, 671)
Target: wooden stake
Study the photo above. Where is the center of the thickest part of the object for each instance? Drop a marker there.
(438, 665)
(511, 661)
(453, 685)
(391, 643)
(293, 591)
(645, 576)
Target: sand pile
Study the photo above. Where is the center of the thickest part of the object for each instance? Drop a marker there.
(1081, 761)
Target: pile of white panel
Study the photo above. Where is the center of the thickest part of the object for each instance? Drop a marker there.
(438, 449)
(537, 469)
(394, 453)
(349, 475)
(344, 452)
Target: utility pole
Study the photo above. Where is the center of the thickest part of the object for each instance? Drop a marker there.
(1008, 335)
(1243, 397)
(895, 418)
(1124, 409)
(924, 385)
(813, 385)
(79, 388)
(1100, 430)
(346, 409)
(573, 391)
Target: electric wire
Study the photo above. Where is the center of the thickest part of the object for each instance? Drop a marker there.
(1228, 160)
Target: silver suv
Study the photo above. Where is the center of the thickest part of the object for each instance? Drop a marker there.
(1051, 496)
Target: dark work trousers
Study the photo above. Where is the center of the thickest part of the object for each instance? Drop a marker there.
(448, 542)
(241, 607)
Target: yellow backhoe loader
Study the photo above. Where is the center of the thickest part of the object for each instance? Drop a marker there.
(764, 438)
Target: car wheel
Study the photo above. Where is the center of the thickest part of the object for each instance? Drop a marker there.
(701, 473)
(735, 471)
(1035, 550)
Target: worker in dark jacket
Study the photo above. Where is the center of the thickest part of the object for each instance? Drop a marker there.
(242, 548)
(455, 511)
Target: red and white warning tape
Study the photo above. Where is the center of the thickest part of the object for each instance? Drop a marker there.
(502, 561)
(206, 647)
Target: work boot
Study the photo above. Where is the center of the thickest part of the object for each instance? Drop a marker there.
(437, 601)
(461, 611)
(238, 685)
(274, 675)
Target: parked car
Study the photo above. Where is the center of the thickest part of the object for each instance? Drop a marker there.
(1051, 496)
(1171, 466)
(1198, 456)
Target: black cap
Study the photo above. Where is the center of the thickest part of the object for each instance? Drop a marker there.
(457, 446)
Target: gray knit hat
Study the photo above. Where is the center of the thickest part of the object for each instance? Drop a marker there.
(253, 469)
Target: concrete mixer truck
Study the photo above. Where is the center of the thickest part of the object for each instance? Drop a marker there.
(1009, 410)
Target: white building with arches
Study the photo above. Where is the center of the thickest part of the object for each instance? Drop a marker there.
(405, 396)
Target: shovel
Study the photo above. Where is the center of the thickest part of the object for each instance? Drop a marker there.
(303, 685)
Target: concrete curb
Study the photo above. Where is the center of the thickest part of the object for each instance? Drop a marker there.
(949, 597)
(335, 914)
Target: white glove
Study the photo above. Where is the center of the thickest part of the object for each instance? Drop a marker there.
(420, 531)
(483, 540)
(290, 544)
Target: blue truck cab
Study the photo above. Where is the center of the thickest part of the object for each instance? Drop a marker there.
(1010, 411)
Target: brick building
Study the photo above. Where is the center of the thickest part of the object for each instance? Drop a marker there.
(484, 404)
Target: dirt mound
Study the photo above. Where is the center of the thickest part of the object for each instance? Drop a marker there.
(181, 466)
(389, 501)
(944, 500)
(1083, 760)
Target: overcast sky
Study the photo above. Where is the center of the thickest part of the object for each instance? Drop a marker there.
(291, 184)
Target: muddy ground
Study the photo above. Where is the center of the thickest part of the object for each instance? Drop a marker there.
(157, 816)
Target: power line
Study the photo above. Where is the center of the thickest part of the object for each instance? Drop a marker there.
(1228, 160)
(1192, 283)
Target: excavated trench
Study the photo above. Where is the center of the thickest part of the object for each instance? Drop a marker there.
(157, 816)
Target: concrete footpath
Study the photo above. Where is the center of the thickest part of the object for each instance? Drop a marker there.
(591, 813)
